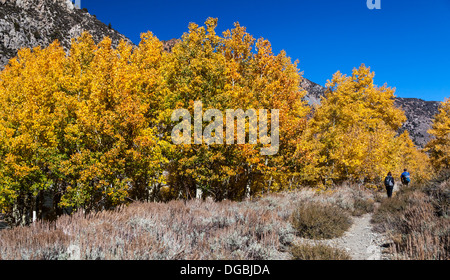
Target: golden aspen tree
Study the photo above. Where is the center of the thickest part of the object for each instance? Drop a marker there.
(33, 115)
(82, 125)
(439, 145)
(195, 71)
(233, 71)
(351, 135)
(414, 159)
(119, 156)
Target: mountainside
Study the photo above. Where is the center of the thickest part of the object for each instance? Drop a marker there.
(168, 45)
(315, 91)
(31, 23)
(419, 113)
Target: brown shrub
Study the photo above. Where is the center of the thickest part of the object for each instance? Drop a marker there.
(362, 206)
(389, 211)
(439, 193)
(320, 221)
(318, 252)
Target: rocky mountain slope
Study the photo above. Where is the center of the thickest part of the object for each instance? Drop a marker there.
(315, 91)
(420, 114)
(30, 23)
(168, 45)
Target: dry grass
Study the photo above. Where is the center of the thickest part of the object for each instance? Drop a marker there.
(353, 199)
(417, 221)
(318, 252)
(174, 230)
(206, 230)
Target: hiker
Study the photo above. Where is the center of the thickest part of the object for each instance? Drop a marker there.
(405, 177)
(389, 183)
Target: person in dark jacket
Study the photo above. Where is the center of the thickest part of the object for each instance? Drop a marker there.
(389, 184)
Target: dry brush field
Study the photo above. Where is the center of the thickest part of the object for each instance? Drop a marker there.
(253, 229)
(414, 224)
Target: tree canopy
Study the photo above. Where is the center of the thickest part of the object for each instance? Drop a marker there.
(93, 126)
(439, 145)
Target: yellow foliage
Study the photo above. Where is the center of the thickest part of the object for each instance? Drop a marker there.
(232, 71)
(94, 125)
(439, 146)
(81, 124)
(352, 134)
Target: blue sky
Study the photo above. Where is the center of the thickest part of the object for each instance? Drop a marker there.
(406, 43)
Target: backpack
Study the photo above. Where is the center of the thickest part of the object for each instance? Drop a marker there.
(406, 178)
(389, 181)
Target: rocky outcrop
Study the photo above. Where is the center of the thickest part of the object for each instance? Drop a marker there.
(315, 91)
(168, 45)
(419, 114)
(31, 23)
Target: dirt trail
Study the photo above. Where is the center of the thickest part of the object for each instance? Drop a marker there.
(360, 241)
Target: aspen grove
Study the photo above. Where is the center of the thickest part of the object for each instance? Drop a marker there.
(93, 126)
